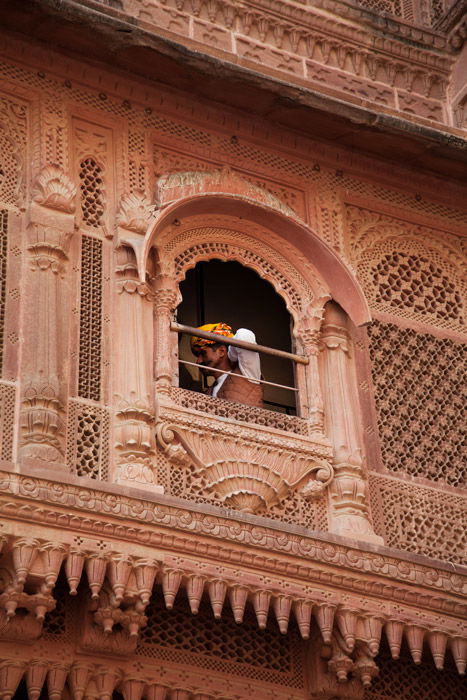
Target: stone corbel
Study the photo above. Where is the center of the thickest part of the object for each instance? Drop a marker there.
(134, 214)
(250, 478)
(54, 190)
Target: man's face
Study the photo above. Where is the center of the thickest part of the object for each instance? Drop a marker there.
(211, 358)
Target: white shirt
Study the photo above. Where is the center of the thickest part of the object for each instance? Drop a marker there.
(248, 361)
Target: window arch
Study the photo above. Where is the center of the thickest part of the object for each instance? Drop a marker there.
(214, 290)
(183, 244)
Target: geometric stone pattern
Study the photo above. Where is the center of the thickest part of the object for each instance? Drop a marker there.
(91, 192)
(90, 333)
(177, 635)
(7, 417)
(13, 136)
(88, 440)
(407, 270)
(403, 680)
(3, 271)
(413, 282)
(416, 519)
(418, 380)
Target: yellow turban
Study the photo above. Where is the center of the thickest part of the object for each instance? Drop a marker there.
(220, 328)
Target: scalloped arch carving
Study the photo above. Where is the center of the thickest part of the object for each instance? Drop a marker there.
(211, 237)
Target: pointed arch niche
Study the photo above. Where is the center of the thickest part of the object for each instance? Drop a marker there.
(202, 217)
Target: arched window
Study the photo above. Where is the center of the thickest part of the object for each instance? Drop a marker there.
(232, 293)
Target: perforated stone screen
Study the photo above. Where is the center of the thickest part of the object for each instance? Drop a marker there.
(403, 680)
(90, 330)
(200, 640)
(420, 382)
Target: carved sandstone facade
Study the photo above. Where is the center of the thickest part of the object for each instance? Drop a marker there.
(159, 544)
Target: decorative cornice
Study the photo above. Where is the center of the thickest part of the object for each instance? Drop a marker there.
(98, 511)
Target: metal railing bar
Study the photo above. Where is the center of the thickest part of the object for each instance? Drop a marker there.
(256, 381)
(189, 330)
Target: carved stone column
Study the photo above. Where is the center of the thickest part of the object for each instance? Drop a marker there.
(49, 230)
(349, 510)
(133, 389)
(310, 340)
(167, 297)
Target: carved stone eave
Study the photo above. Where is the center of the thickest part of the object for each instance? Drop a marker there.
(298, 563)
(127, 541)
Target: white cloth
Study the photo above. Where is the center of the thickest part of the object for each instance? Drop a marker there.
(248, 361)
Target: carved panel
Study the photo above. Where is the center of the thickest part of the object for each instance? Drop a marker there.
(401, 679)
(230, 409)
(3, 278)
(408, 270)
(13, 135)
(418, 381)
(93, 157)
(417, 519)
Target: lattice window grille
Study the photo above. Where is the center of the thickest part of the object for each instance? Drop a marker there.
(91, 177)
(7, 420)
(404, 680)
(406, 278)
(88, 435)
(419, 380)
(3, 278)
(221, 645)
(417, 519)
(90, 319)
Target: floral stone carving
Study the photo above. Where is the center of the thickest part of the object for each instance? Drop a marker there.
(55, 190)
(248, 475)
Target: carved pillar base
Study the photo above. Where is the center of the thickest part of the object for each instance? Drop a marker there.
(41, 424)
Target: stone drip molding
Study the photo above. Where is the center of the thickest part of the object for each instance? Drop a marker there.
(303, 151)
(314, 44)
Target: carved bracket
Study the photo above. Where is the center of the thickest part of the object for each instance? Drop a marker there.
(245, 476)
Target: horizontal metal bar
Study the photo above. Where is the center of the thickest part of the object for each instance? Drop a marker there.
(180, 328)
(256, 381)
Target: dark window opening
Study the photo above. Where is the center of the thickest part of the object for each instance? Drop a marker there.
(229, 292)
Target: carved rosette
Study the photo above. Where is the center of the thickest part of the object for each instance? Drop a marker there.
(245, 476)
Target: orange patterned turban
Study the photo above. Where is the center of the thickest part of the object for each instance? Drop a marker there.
(220, 328)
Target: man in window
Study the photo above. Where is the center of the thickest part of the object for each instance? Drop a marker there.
(214, 358)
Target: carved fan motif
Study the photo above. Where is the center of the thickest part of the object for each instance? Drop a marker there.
(245, 476)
